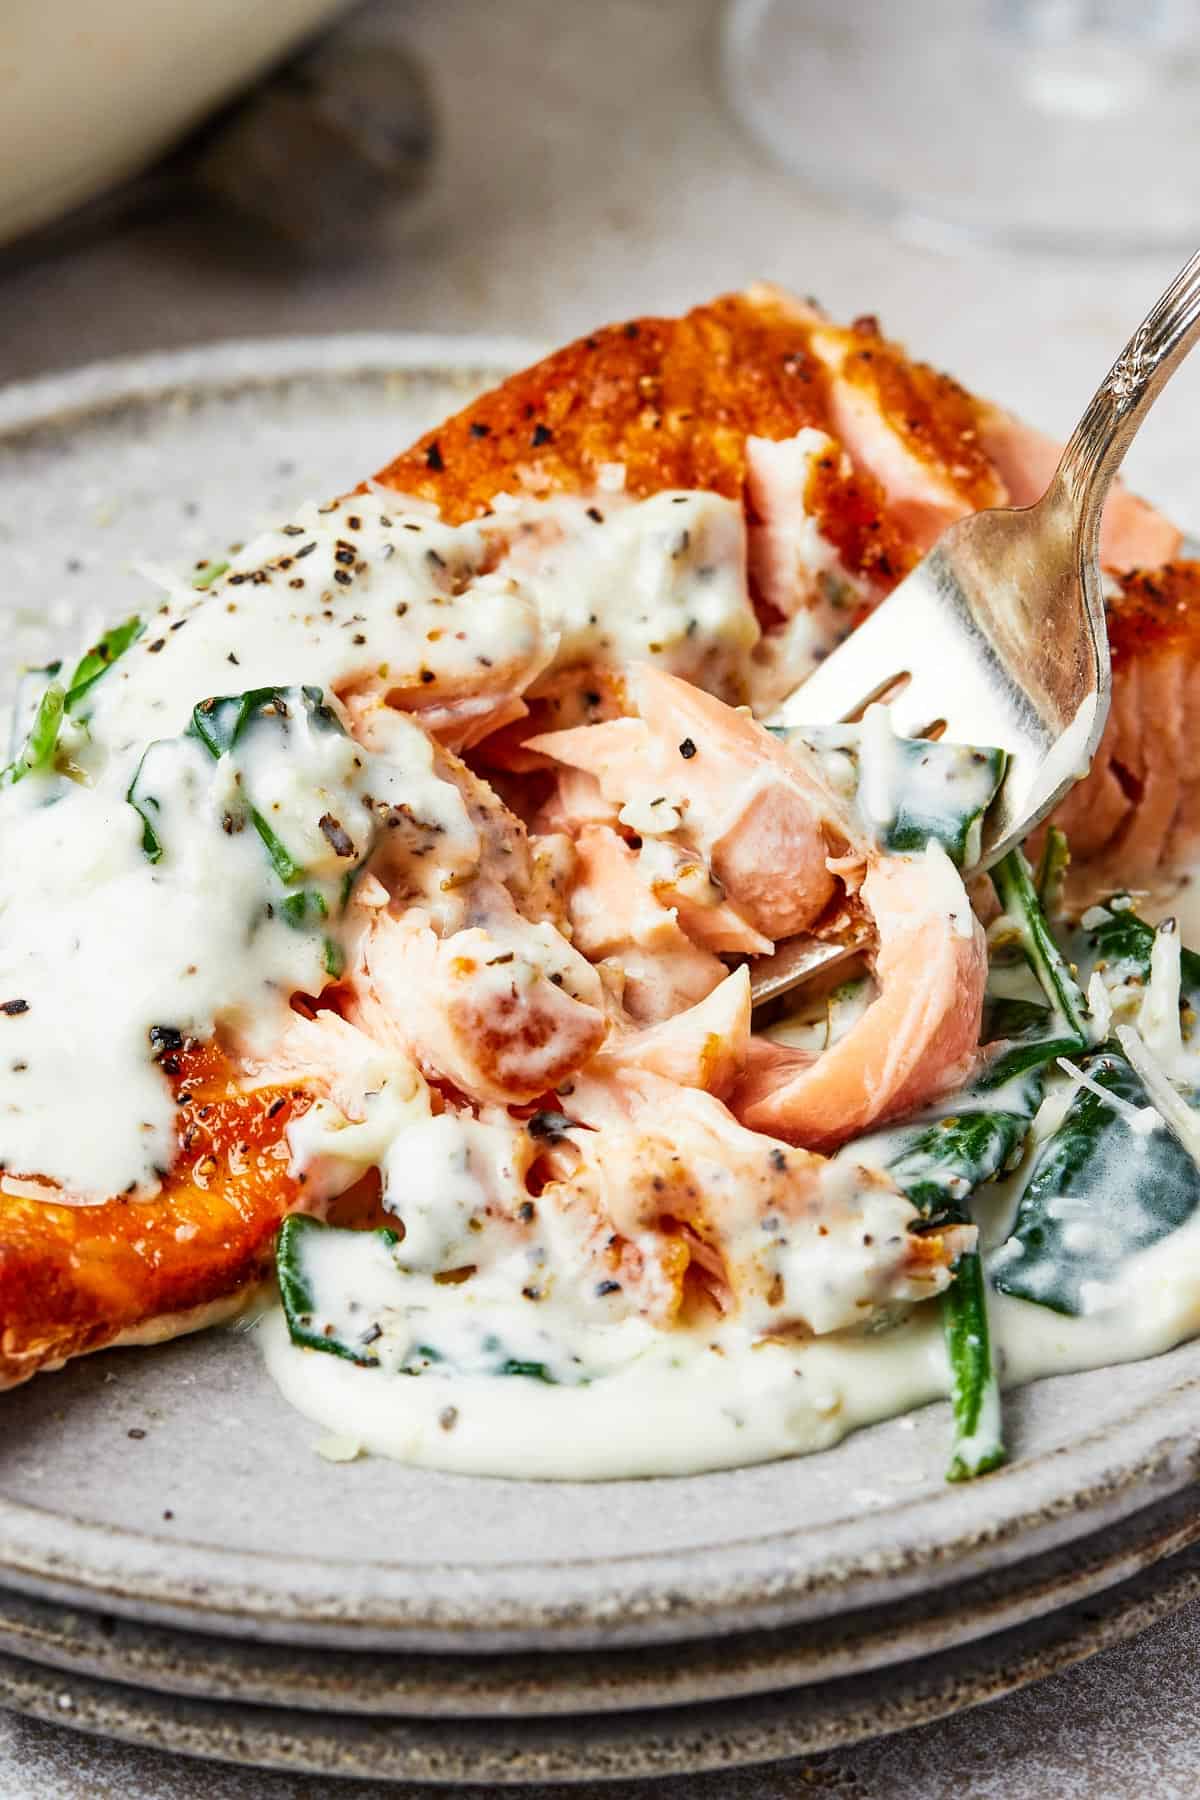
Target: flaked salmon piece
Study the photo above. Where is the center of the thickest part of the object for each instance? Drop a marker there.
(476, 837)
(1135, 820)
(461, 709)
(705, 1046)
(364, 1089)
(763, 819)
(915, 431)
(333, 1058)
(575, 801)
(777, 1234)
(676, 877)
(489, 1008)
(814, 519)
(916, 1040)
(75, 1278)
(563, 698)
(1133, 534)
(682, 880)
(617, 918)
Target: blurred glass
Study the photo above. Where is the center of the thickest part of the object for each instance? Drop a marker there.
(1055, 124)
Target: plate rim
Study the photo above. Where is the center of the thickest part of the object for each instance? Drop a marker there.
(641, 1744)
(136, 1653)
(665, 1595)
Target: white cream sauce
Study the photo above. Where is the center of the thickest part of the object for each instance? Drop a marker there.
(939, 789)
(629, 1400)
(99, 945)
(680, 1403)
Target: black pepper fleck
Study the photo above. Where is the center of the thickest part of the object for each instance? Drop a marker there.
(336, 835)
(433, 457)
(687, 749)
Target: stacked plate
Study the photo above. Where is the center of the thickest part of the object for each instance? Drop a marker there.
(185, 1571)
(180, 1567)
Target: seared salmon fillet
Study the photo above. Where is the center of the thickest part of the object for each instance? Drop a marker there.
(677, 403)
(807, 434)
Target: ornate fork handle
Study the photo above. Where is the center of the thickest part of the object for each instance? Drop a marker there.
(1097, 445)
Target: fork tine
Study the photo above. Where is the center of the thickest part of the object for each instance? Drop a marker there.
(897, 640)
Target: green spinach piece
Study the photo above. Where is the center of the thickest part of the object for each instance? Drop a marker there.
(1063, 1032)
(58, 700)
(298, 1236)
(1052, 871)
(38, 749)
(100, 658)
(917, 786)
(220, 724)
(975, 1390)
(921, 792)
(1115, 939)
(1099, 1192)
(941, 1161)
(144, 805)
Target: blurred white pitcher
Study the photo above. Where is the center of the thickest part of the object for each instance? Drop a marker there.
(91, 91)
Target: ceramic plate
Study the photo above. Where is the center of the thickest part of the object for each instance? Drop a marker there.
(394, 1684)
(218, 1516)
(498, 1753)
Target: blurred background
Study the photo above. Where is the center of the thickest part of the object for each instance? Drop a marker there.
(1005, 182)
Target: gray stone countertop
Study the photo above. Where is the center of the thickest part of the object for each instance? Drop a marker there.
(590, 170)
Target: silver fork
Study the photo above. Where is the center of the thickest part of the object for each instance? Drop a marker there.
(998, 636)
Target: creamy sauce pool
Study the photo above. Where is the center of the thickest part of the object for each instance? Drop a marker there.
(681, 1403)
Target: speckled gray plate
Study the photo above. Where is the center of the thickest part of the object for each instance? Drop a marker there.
(220, 1518)
(498, 1753)
(380, 1683)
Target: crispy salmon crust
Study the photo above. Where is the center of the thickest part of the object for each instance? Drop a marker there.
(73, 1278)
(673, 401)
